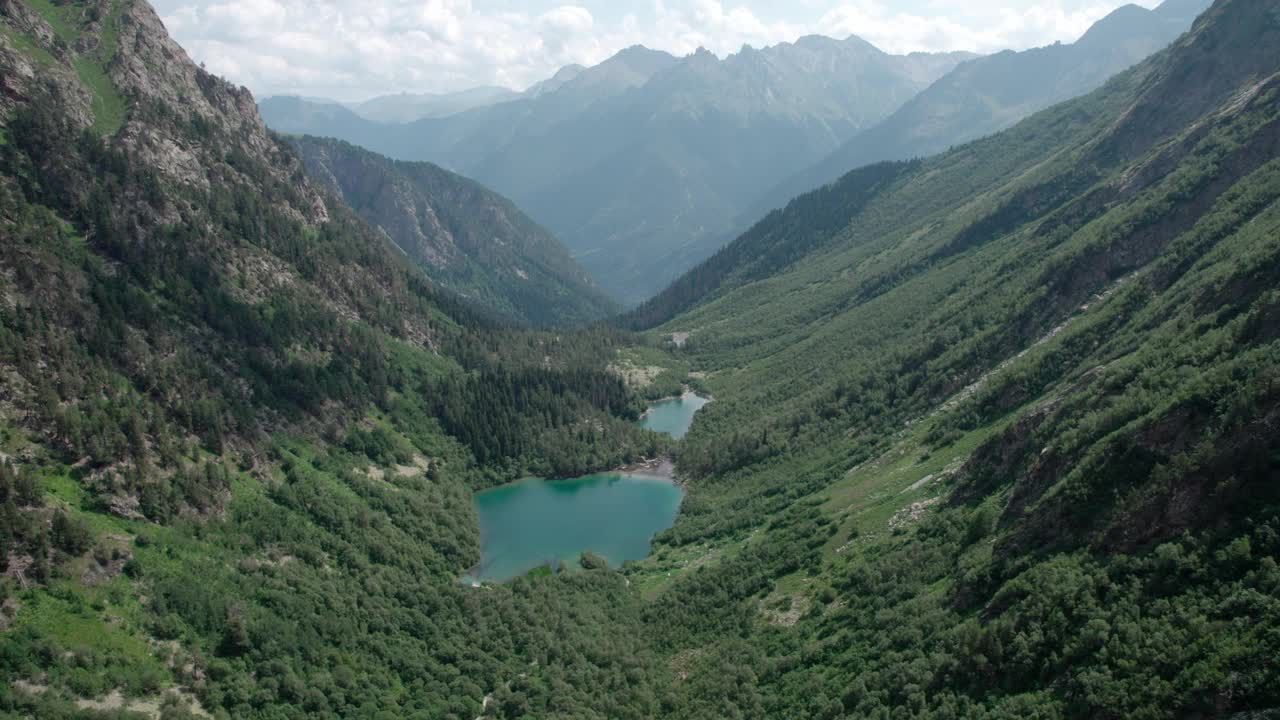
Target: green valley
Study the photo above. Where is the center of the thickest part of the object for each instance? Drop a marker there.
(994, 432)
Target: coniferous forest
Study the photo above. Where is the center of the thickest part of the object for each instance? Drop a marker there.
(995, 432)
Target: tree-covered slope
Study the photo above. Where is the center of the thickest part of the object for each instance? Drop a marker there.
(467, 238)
(240, 431)
(1002, 444)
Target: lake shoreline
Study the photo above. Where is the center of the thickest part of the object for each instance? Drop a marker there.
(656, 470)
(535, 522)
(673, 417)
(659, 468)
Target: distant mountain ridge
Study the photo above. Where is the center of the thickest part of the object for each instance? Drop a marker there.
(466, 237)
(407, 107)
(645, 153)
(989, 94)
(646, 164)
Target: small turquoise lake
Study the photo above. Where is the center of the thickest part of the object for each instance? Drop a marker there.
(536, 522)
(674, 417)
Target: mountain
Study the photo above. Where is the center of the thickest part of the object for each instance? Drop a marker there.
(317, 100)
(400, 107)
(991, 93)
(994, 432)
(634, 158)
(546, 104)
(468, 239)
(663, 164)
(553, 83)
(407, 107)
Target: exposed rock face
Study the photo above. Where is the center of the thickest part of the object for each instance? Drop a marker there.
(388, 200)
(174, 108)
(25, 72)
(153, 70)
(152, 67)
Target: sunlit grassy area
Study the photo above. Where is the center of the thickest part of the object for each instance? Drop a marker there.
(109, 106)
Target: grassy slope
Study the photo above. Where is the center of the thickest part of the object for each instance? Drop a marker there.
(68, 22)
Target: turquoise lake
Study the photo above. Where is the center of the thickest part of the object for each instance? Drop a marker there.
(674, 417)
(536, 522)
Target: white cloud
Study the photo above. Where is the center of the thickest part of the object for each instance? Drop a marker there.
(350, 49)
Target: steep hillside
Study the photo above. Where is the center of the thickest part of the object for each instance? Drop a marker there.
(239, 430)
(992, 93)
(467, 238)
(995, 436)
(1009, 85)
(808, 224)
(631, 160)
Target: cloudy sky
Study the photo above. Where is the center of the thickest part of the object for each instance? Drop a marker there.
(354, 49)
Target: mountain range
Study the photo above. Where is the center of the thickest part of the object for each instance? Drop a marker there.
(630, 165)
(406, 107)
(992, 93)
(634, 158)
